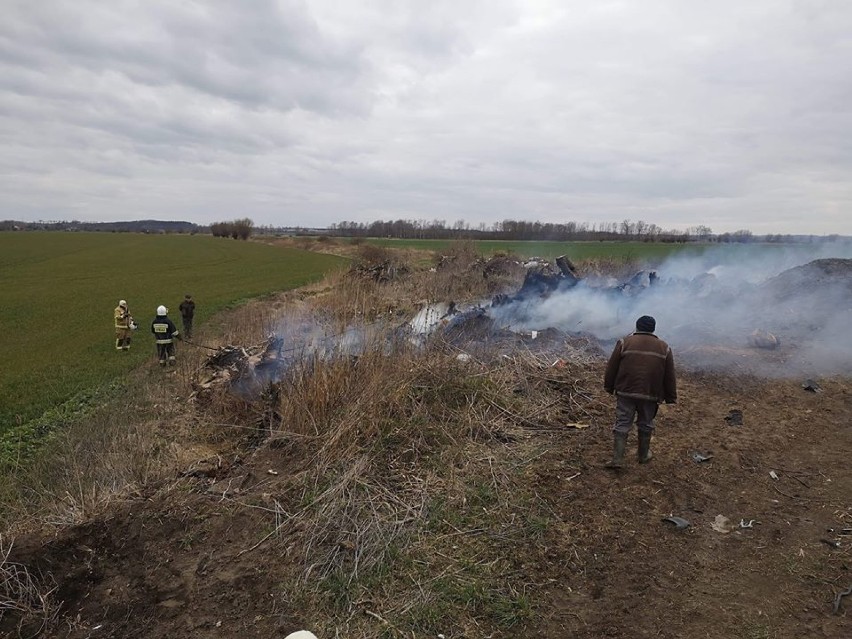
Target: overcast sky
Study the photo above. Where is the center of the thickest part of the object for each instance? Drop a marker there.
(732, 113)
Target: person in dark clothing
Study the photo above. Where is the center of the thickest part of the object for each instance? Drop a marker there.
(165, 333)
(187, 312)
(641, 374)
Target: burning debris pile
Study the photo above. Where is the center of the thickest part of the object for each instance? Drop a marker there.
(299, 344)
(542, 279)
(716, 317)
(247, 369)
(788, 324)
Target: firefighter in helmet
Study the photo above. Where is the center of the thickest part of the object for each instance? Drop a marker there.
(124, 324)
(165, 333)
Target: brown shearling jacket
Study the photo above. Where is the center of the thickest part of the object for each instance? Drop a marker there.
(642, 367)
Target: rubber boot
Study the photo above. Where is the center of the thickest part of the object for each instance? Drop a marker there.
(645, 454)
(619, 445)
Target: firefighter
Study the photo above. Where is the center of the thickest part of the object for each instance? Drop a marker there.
(124, 324)
(641, 374)
(187, 312)
(165, 333)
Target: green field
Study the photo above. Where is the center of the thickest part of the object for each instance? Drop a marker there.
(59, 291)
(651, 251)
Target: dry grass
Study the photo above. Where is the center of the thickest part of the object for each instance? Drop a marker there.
(395, 454)
(21, 594)
(620, 268)
(92, 462)
(402, 448)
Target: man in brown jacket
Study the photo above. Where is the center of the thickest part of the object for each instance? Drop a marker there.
(641, 374)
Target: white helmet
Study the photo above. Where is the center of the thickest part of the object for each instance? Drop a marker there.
(162, 310)
(122, 303)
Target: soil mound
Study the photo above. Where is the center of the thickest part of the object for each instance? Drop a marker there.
(811, 277)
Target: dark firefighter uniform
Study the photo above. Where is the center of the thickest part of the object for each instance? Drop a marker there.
(123, 322)
(165, 333)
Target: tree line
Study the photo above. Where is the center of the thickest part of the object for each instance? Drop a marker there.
(236, 229)
(534, 230)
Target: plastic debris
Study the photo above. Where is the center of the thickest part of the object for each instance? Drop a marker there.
(679, 522)
(699, 457)
(811, 386)
(773, 474)
(721, 524)
(841, 595)
(764, 339)
(576, 425)
(735, 417)
(748, 524)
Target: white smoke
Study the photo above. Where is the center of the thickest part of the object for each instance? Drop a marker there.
(708, 305)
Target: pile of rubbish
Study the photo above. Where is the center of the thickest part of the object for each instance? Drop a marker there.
(702, 314)
(555, 312)
(383, 271)
(245, 368)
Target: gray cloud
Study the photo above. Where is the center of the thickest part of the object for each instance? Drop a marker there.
(726, 114)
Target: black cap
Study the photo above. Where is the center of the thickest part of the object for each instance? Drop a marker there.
(646, 324)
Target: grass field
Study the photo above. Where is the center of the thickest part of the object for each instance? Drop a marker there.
(651, 251)
(59, 291)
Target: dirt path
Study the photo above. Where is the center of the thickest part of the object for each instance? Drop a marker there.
(634, 576)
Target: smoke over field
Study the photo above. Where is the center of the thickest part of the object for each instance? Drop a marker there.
(714, 309)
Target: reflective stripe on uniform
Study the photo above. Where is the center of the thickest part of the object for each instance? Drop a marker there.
(164, 341)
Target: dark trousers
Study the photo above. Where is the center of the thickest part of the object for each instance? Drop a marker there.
(187, 326)
(166, 353)
(628, 408)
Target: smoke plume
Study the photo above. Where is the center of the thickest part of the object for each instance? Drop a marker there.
(717, 308)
